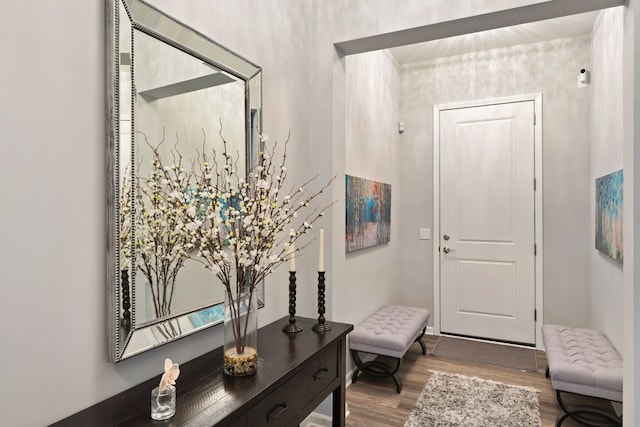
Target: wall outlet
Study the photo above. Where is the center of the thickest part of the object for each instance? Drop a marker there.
(425, 234)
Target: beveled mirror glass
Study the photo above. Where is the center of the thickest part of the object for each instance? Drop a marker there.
(170, 88)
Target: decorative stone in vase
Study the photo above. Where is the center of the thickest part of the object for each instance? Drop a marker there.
(240, 333)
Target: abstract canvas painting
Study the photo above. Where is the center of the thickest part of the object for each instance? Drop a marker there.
(368, 212)
(609, 215)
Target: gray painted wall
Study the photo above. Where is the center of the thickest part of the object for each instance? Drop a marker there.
(631, 162)
(372, 106)
(52, 251)
(606, 275)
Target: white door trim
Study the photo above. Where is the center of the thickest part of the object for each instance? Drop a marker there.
(537, 100)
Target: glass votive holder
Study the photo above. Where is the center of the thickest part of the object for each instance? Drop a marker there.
(163, 403)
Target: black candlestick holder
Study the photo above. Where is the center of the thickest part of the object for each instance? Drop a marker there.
(126, 299)
(321, 326)
(292, 327)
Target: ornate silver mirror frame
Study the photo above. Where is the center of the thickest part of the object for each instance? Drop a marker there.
(204, 82)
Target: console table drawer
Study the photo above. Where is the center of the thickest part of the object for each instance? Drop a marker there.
(320, 373)
(279, 407)
(241, 421)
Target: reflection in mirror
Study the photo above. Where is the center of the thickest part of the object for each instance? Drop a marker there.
(170, 81)
(173, 91)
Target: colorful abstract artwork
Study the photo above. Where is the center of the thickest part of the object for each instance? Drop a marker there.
(609, 215)
(368, 212)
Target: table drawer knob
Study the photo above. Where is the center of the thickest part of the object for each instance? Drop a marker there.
(320, 374)
(277, 411)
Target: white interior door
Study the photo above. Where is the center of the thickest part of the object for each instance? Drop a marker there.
(487, 224)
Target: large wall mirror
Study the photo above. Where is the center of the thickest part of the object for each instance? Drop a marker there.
(170, 89)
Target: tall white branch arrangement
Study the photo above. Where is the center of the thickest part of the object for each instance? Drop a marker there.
(162, 245)
(237, 223)
(125, 228)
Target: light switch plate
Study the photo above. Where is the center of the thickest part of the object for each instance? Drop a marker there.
(425, 234)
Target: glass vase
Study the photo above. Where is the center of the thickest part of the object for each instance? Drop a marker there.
(163, 403)
(240, 333)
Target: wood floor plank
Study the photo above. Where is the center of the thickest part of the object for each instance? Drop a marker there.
(375, 403)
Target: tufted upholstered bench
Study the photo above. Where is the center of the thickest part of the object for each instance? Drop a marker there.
(583, 361)
(388, 332)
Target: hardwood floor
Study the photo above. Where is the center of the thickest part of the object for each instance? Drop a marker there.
(375, 403)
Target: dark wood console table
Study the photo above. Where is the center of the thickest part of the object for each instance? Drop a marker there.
(295, 374)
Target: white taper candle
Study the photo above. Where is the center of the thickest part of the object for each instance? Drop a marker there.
(321, 250)
(292, 257)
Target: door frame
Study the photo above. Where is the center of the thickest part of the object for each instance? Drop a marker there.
(538, 223)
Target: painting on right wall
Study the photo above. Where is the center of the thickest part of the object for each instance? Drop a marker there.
(609, 215)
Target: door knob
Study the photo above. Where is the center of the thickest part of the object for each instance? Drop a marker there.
(446, 250)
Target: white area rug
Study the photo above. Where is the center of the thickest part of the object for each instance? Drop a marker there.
(457, 400)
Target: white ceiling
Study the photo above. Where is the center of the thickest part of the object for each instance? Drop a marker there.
(551, 29)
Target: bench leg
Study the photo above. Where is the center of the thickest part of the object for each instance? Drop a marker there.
(585, 415)
(419, 340)
(375, 368)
